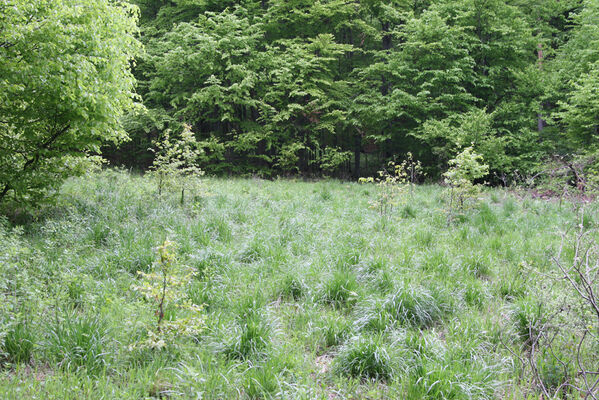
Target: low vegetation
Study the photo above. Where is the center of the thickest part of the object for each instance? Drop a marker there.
(292, 289)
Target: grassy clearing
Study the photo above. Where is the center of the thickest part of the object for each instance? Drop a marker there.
(307, 292)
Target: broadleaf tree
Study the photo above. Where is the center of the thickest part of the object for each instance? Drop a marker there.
(65, 82)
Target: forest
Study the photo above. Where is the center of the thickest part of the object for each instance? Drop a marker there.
(299, 199)
(337, 88)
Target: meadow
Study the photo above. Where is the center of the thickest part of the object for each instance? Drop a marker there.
(306, 292)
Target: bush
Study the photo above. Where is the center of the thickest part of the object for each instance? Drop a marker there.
(393, 185)
(175, 162)
(464, 170)
(167, 287)
(65, 83)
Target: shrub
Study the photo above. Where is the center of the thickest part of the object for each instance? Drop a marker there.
(175, 161)
(464, 170)
(392, 185)
(167, 288)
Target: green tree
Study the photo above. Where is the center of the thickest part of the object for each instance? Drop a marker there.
(574, 76)
(464, 170)
(65, 82)
(298, 86)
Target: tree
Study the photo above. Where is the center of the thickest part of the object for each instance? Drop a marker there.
(65, 82)
(176, 161)
(464, 170)
(337, 86)
(424, 77)
(575, 76)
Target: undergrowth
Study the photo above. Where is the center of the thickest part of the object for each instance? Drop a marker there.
(304, 292)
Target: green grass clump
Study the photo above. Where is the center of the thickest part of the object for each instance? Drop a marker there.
(341, 289)
(333, 329)
(366, 357)
(292, 287)
(252, 333)
(18, 343)
(408, 306)
(79, 341)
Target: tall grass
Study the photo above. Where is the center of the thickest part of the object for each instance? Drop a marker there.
(307, 292)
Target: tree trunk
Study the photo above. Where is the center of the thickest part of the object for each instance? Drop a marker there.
(385, 86)
(357, 154)
(4, 192)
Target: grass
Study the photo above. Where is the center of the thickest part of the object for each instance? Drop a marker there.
(307, 292)
(367, 358)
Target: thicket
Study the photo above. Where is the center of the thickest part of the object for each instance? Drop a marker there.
(339, 88)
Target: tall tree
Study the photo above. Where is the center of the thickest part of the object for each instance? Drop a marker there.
(65, 81)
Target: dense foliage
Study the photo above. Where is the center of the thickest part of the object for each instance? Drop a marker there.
(337, 88)
(65, 82)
